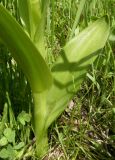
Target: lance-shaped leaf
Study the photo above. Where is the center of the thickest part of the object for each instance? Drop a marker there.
(33, 15)
(30, 13)
(71, 67)
(24, 52)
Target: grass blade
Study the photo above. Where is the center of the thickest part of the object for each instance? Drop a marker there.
(80, 8)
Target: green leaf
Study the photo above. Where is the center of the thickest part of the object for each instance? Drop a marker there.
(19, 146)
(71, 67)
(3, 141)
(24, 15)
(11, 151)
(23, 117)
(93, 38)
(30, 13)
(33, 20)
(24, 52)
(4, 153)
(10, 135)
(4, 118)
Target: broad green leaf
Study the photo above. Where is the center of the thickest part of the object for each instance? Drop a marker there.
(72, 65)
(24, 52)
(33, 14)
(12, 152)
(24, 10)
(10, 135)
(23, 117)
(4, 153)
(3, 141)
(30, 13)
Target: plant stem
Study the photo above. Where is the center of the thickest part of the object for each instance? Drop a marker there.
(39, 121)
(41, 145)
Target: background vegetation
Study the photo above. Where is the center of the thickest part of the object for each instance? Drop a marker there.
(86, 130)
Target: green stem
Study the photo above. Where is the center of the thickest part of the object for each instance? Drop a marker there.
(41, 145)
(39, 121)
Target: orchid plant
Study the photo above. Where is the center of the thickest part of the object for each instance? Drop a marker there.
(52, 87)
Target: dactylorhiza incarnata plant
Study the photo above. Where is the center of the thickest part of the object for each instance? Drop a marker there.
(52, 88)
